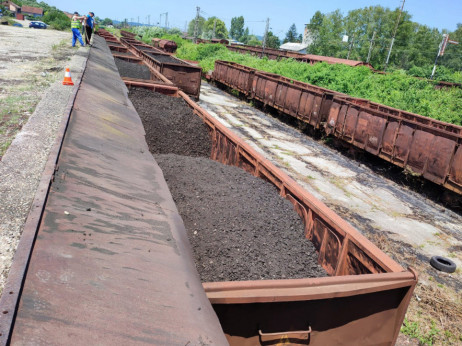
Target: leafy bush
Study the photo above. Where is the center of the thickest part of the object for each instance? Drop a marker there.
(57, 20)
(396, 89)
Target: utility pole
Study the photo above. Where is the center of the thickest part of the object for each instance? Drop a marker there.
(149, 20)
(351, 46)
(443, 45)
(393, 38)
(265, 37)
(138, 21)
(166, 20)
(370, 48)
(131, 21)
(196, 24)
(214, 27)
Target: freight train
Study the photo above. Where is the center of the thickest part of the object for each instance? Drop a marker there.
(424, 146)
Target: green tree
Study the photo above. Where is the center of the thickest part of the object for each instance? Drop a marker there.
(272, 41)
(452, 57)
(254, 41)
(245, 37)
(107, 21)
(57, 20)
(237, 27)
(200, 26)
(220, 28)
(291, 35)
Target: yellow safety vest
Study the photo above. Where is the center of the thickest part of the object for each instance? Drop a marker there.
(75, 24)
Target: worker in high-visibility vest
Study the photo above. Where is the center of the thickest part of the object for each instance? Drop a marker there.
(75, 25)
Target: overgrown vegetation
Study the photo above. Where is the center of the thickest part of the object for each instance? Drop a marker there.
(395, 89)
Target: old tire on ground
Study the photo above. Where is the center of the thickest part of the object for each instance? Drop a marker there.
(443, 264)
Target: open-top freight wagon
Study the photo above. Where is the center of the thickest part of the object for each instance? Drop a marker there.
(424, 146)
(362, 302)
(165, 45)
(134, 286)
(181, 73)
(277, 54)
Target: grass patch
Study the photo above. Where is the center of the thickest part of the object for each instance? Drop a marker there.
(413, 330)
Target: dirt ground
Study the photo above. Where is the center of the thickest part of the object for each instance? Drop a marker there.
(32, 103)
(30, 61)
(238, 225)
(403, 223)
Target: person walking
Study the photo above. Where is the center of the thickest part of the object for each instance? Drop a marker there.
(75, 25)
(89, 26)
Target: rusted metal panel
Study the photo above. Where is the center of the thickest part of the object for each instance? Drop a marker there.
(151, 85)
(440, 154)
(111, 241)
(361, 135)
(306, 105)
(376, 129)
(419, 150)
(389, 138)
(356, 310)
(402, 144)
(332, 118)
(455, 173)
(236, 76)
(341, 120)
(270, 91)
(351, 119)
(315, 117)
(280, 96)
(292, 101)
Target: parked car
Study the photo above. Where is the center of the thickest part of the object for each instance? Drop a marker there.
(38, 25)
(18, 24)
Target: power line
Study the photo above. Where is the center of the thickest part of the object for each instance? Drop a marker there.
(394, 34)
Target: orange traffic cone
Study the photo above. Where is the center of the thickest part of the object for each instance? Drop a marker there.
(67, 78)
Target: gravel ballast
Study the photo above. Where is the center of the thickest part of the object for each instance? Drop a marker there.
(238, 225)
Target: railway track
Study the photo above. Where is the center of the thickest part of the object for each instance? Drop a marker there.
(108, 238)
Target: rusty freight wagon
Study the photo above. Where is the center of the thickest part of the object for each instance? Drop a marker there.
(165, 45)
(362, 302)
(144, 288)
(185, 76)
(277, 54)
(419, 144)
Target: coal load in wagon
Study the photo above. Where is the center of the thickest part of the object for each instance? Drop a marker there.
(166, 59)
(238, 225)
(132, 70)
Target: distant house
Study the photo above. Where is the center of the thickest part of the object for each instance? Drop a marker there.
(299, 47)
(32, 11)
(12, 7)
(20, 12)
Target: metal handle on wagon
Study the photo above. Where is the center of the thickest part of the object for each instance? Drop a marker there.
(285, 333)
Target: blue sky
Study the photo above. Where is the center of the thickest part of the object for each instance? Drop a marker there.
(442, 14)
